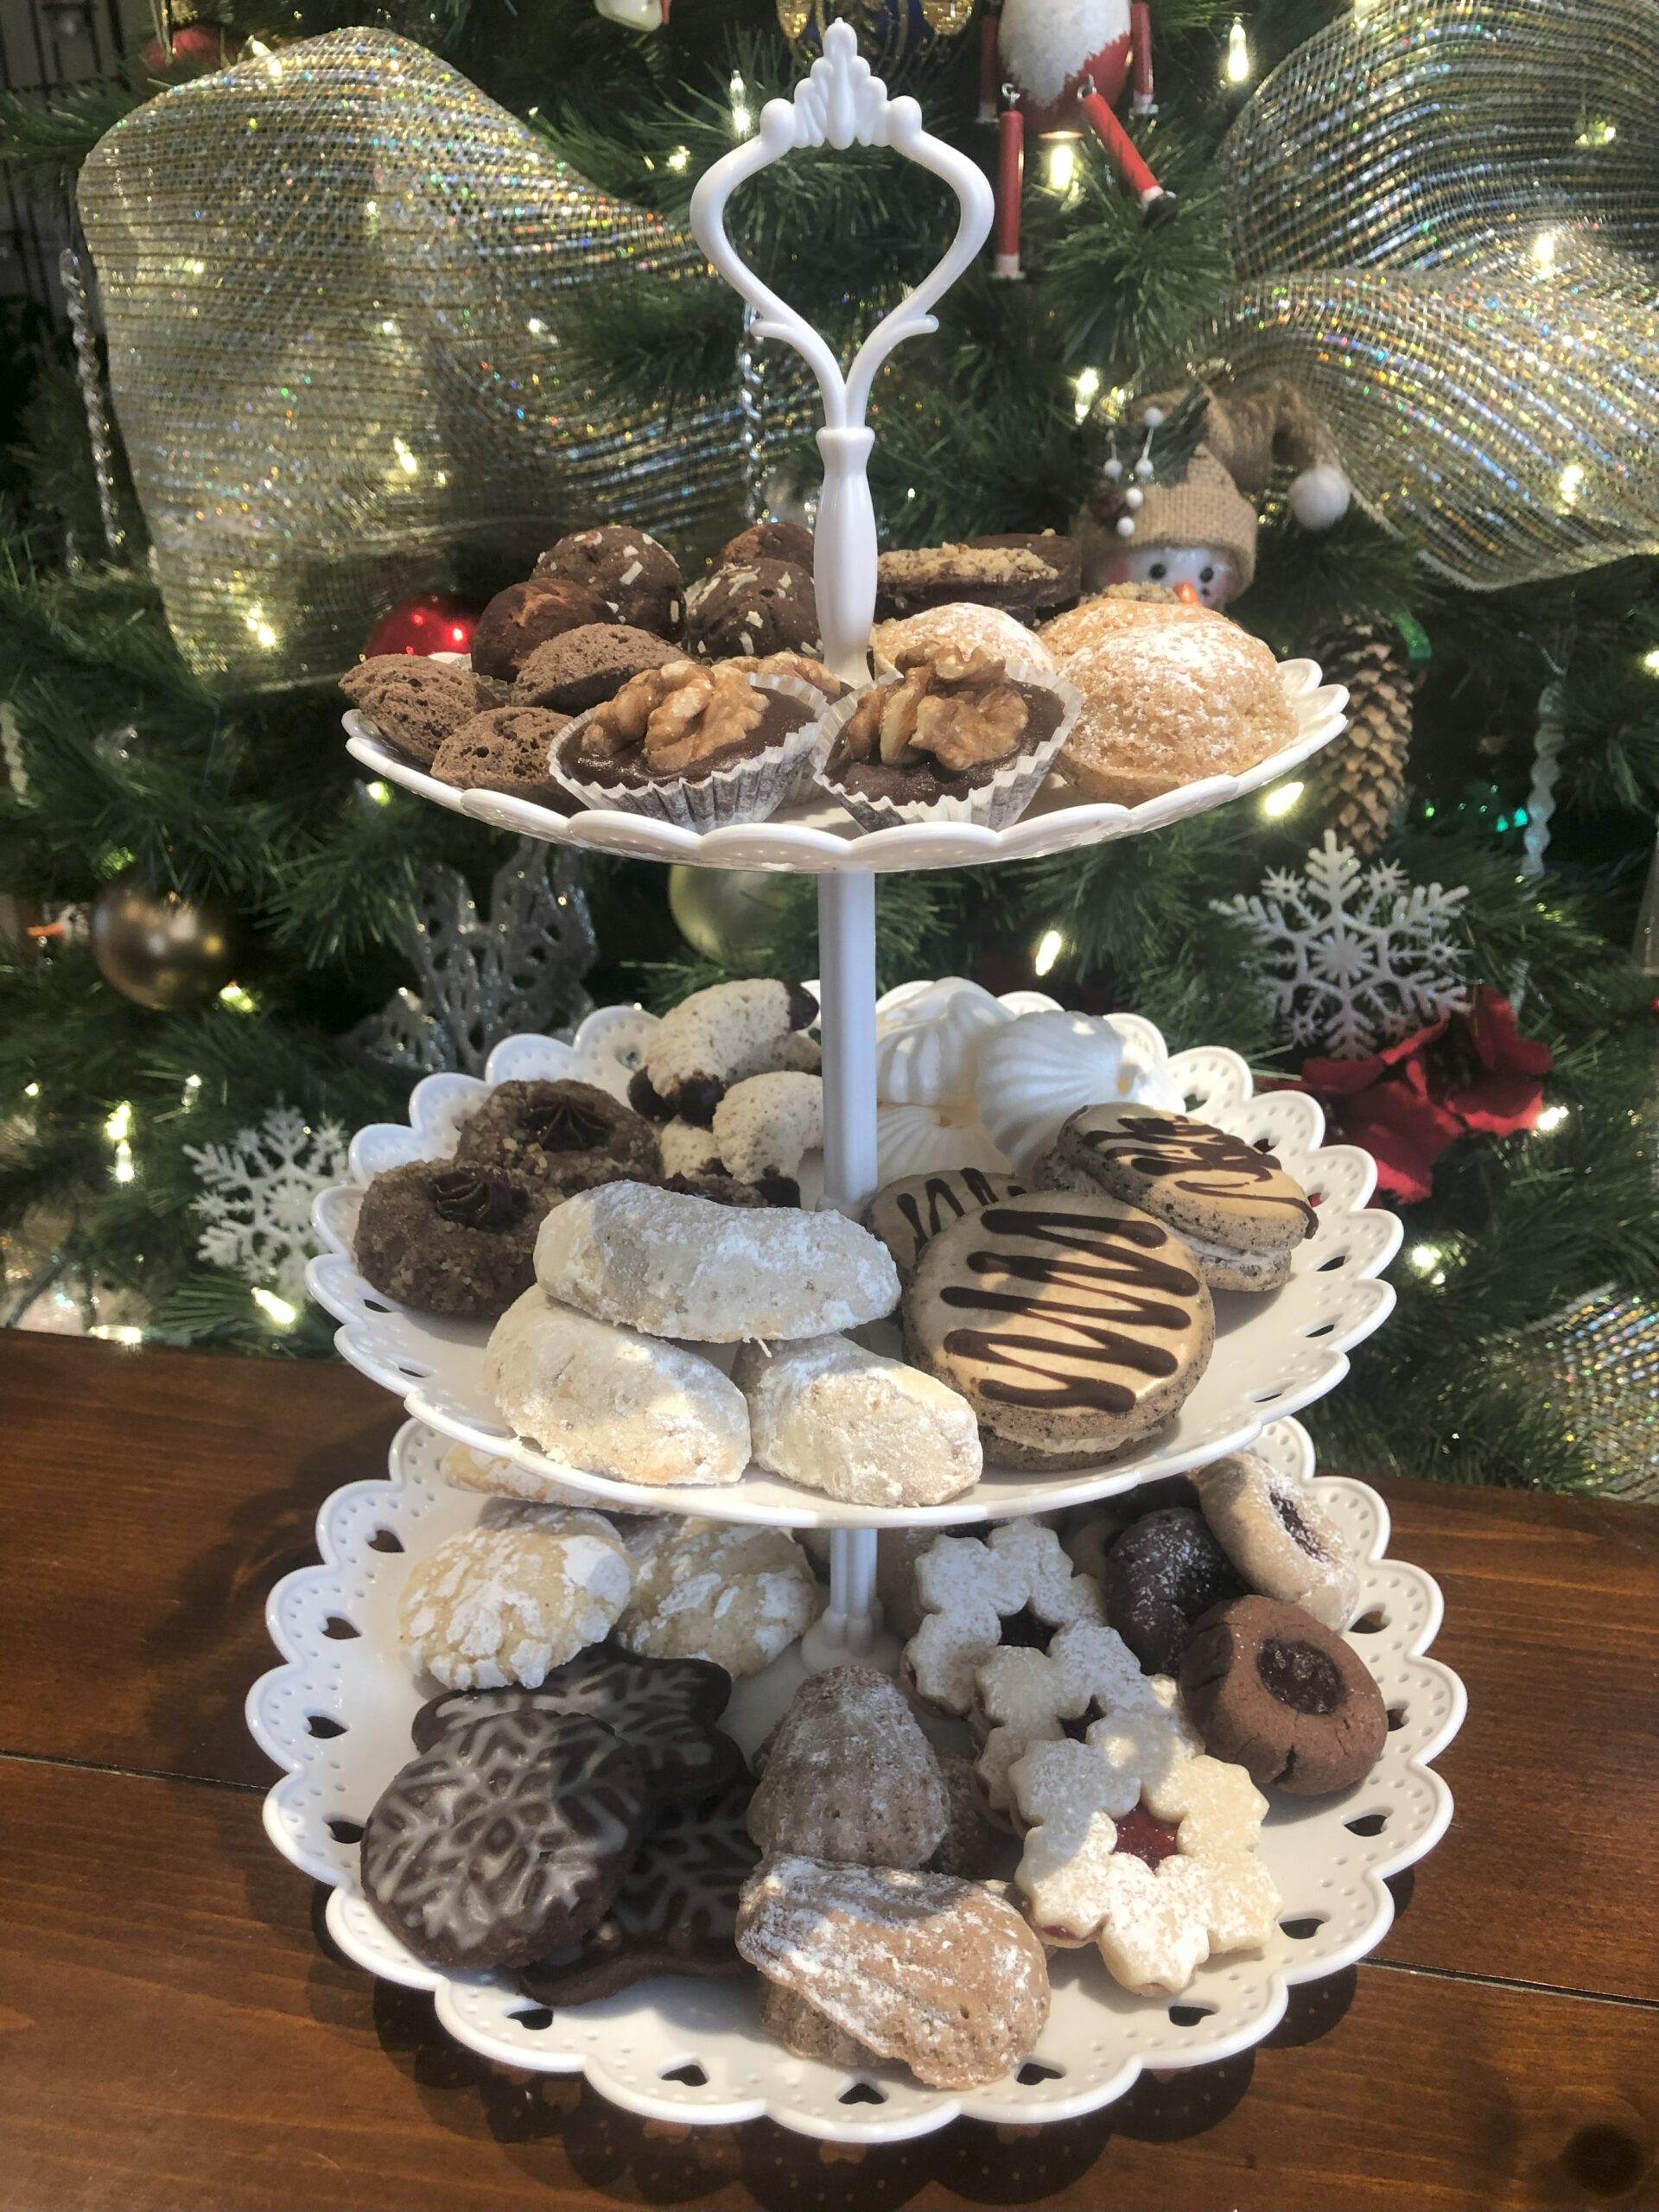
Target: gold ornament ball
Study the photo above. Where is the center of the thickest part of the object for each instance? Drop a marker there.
(732, 916)
(159, 949)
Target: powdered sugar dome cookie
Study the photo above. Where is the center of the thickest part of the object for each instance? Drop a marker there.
(494, 1606)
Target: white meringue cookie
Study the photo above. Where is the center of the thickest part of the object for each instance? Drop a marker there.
(928, 1056)
(919, 1140)
(1038, 1070)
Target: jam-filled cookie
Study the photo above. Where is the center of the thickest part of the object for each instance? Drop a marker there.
(1283, 1696)
(1071, 1324)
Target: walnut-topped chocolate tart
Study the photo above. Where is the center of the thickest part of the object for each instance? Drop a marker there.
(685, 719)
(945, 723)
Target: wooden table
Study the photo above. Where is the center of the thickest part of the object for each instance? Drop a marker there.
(175, 2031)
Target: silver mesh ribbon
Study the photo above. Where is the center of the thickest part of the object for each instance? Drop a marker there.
(1444, 220)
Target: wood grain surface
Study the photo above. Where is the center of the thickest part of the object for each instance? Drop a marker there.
(176, 2032)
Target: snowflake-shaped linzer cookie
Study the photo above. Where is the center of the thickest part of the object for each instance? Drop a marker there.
(1141, 1842)
(967, 1589)
(1023, 1697)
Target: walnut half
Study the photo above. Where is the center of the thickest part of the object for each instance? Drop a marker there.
(678, 714)
(959, 708)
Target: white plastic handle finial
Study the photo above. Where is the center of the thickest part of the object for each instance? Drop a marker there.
(840, 103)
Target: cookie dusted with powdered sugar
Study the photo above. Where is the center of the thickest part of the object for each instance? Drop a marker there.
(1280, 1538)
(850, 1778)
(825, 1413)
(711, 1589)
(713, 1039)
(967, 1589)
(494, 1606)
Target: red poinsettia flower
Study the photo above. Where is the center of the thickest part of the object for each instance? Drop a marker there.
(1467, 1072)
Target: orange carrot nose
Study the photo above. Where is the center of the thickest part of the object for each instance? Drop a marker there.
(1188, 592)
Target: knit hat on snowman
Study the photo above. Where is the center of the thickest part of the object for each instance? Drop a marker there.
(1181, 515)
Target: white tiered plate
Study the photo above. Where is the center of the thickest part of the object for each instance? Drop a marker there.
(1274, 1355)
(335, 1627)
(814, 836)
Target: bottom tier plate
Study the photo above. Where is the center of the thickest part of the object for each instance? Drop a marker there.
(335, 1716)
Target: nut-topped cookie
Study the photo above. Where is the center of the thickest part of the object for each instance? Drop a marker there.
(562, 1136)
(1234, 1204)
(1072, 1325)
(948, 723)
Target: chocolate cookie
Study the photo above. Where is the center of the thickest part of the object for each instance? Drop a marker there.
(413, 702)
(681, 722)
(850, 1778)
(665, 1709)
(1072, 1325)
(1025, 576)
(508, 1837)
(675, 1913)
(1062, 556)
(562, 1137)
(1283, 1696)
(1160, 1574)
(584, 667)
(768, 541)
(909, 1214)
(506, 749)
(525, 616)
(1234, 1204)
(449, 1237)
(765, 607)
(637, 579)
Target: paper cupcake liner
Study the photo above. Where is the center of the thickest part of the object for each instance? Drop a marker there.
(748, 791)
(993, 805)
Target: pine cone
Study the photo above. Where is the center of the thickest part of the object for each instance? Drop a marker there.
(1361, 777)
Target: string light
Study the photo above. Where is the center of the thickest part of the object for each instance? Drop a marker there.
(742, 121)
(31, 1091)
(1425, 1257)
(1596, 131)
(239, 1000)
(1571, 482)
(1281, 799)
(118, 1333)
(406, 460)
(680, 158)
(1239, 66)
(275, 1310)
(1062, 166)
(192, 1091)
(117, 1129)
(1050, 946)
(1552, 1118)
(379, 793)
(1651, 661)
(1543, 252)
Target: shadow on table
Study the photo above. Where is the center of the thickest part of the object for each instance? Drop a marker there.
(656, 2162)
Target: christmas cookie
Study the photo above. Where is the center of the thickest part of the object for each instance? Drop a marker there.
(683, 1267)
(413, 702)
(1035, 1071)
(689, 1150)
(825, 1413)
(768, 541)
(762, 607)
(1061, 556)
(1275, 1690)
(1242, 1215)
(909, 1214)
(665, 1709)
(497, 1606)
(967, 1589)
(526, 615)
(710, 1590)
(636, 580)
(797, 2024)
(611, 1400)
(509, 1836)
(504, 1482)
(1169, 704)
(565, 1136)
(934, 1972)
(699, 745)
(1024, 1696)
(765, 1125)
(585, 667)
(674, 1911)
(1278, 1535)
(1160, 1574)
(448, 1238)
(849, 1777)
(714, 1039)
(801, 667)
(972, 1847)
(1071, 1324)
(1025, 576)
(508, 749)
(964, 630)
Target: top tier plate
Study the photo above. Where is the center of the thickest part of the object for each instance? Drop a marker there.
(816, 837)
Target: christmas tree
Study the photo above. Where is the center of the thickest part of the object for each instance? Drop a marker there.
(1431, 927)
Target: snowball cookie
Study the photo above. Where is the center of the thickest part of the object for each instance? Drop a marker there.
(676, 1266)
(713, 1590)
(1124, 607)
(612, 1401)
(868, 1431)
(493, 1607)
(1171, 704)
(963, 629)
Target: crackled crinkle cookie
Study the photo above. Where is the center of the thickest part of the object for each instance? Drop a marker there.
(562, 1136)
(1071, 1324)
(1161, 1573)
(1278, 1535)
(1024, 1696)
(825, 1413)
(494, 1606)
(1138, 1841)
(613, 1401)
(713, 1039)
(967, 1589)
(765, 1125)
(1275, 1689)
(710, 1590)
(849, 1777)
(1234, 1205)
(676, 1266)
(504, 1479)
(938, 1973)
(909, 1214)
(508, 1835)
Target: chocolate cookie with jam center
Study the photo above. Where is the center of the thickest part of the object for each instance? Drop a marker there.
(1282, 1695)
(448, 1237)
(563, 1137)
(1160, 1574)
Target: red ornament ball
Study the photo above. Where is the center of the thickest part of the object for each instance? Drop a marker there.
(431, 622)
(197, 47)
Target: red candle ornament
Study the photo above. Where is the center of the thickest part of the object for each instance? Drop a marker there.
(989, 68)
(1010, 183)
(1140, 56)
(431, 622)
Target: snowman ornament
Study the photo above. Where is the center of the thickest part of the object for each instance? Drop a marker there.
(1059, 67)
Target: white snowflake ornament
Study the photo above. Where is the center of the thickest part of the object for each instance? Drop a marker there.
(1352, 957)
(256, 1197)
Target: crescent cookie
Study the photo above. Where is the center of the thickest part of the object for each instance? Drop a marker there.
(1071, 1324)
(1237, 1207)
(713, 1039)
(909, 1214)
(827, 1414)
(765, 1125)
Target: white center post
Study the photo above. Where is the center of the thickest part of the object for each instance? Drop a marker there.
(840, 103)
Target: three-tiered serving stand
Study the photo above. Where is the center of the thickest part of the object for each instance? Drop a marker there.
(684, 2049)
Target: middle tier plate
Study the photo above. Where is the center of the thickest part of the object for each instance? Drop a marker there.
(1273, 1354)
